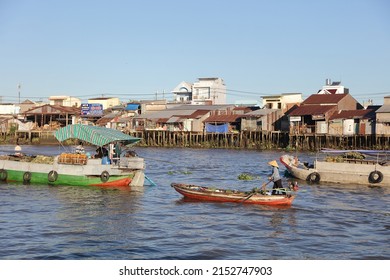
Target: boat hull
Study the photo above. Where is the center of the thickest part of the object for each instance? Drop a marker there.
(362, 172)
(93, 173)
(220, 195)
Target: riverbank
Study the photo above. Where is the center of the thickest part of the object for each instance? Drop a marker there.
(258, 140)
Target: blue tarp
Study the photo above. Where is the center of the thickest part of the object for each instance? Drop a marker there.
(219, 128)
(132, 107)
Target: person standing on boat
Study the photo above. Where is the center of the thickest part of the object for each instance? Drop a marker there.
(18, 149)
(275, 177)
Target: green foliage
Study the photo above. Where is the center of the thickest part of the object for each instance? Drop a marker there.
(354, 155)
(185, 172)
(245, 177)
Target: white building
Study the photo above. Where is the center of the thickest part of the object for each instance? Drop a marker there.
(107, 102)
(333, 88)
(206, 91)
(183, 92)
(282, 101)
(62, 100)
(9, 109)
(209, 91)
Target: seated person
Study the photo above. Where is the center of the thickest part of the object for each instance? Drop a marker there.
(80, 149)
(101, 152)
(18, 150)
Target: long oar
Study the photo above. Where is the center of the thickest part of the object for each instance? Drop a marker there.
(254, 192)
(265, 184)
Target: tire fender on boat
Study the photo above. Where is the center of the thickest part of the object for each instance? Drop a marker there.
(52, 176)
(104, 176)
(375, 177)
(313, 177)
(3, 174)
(27, 177)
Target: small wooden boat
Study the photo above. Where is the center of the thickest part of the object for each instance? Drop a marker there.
(223, 195)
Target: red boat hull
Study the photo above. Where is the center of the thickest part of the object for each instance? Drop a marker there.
(206, 194)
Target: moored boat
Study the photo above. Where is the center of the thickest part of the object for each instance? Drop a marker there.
(363, 167)
(77, 169)
(224, 195)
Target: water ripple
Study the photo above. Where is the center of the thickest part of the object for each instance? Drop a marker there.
(325, 221)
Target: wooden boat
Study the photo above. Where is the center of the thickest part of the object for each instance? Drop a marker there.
(77, 169)
(364, 167)
(223, 195)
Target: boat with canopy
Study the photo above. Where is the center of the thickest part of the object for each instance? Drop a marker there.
(78, 169)
(363, 167)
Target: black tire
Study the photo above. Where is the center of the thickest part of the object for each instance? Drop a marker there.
(3, 175)
(313, 177)
(27, 177)
(375, 177)
(52, 176)
(104, 176)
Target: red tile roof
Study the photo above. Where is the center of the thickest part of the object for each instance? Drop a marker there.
(305, 110)
(324, 99)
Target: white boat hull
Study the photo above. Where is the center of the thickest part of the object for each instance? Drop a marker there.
(362, 172)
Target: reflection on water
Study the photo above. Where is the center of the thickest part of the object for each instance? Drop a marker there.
(155, 222)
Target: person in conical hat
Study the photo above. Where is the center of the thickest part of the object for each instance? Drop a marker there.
(275, 177)
(273, 163)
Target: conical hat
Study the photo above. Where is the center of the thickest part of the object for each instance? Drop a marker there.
(273, 163)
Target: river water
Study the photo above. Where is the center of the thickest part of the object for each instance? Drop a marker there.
(155, 222)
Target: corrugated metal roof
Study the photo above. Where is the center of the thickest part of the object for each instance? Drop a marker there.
(52, 110)
(204, 107)
(352, 114)
(260, 112)
(324, 99)
(173, 119)
(384, 109)
(223, 118)
(245, 109)
(165, 114)
(307, 110)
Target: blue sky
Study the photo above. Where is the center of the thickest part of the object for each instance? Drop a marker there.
(133, 49)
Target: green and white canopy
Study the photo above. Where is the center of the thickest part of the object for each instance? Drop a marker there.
(96, 135)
